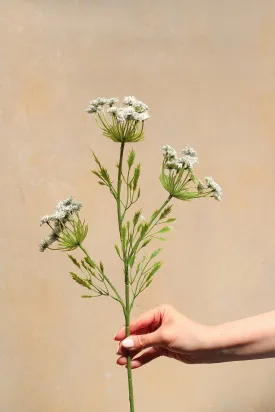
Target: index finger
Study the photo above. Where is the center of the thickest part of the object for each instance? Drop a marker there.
(149, 321)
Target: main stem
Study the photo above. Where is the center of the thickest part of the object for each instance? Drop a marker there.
(127, 286)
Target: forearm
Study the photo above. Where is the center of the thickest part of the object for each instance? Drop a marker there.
(250, 338)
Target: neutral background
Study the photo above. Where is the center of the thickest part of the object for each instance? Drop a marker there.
(206, 69)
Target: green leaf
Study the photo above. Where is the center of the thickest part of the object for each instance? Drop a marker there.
(155, 253)
(101, 267)
(160, 238)
(172, 219)
(90, 262)
(155, 268)
(186, 195)
(95, 172)
(79, 280)
(118, 251)
(136, 177)
(75, 262)
(102, 174)
(154, 215)
(87, 296)
(131, 158)
(165, 229)
(166, 212)
(84, 264)
(139, 264)
(145, 243)
(123, 235)
(132, 261)
(105, 175)
(138, 195)
(88, 269)
(144, 228)
(136, 217)
(96, 159)
(148, 283)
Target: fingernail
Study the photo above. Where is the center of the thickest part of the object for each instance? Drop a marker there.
(128, 343)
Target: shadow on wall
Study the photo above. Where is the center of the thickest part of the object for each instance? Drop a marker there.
(265, 405)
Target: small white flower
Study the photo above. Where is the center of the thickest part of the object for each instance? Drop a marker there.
(96, 105)
(169, 152)
(100, 101)
(140, 117)
(190, 157)
(92, 109)
(128, 113)
(111, 101)
(142, 218)
(173, 164)
(48, 241)
(44, 219)
(129, 100)
(124, 113)
(112, 110)
(217, 190)
(138, 105)
(43, 245)
(58, 215)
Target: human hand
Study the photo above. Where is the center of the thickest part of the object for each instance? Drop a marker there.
(164, 331)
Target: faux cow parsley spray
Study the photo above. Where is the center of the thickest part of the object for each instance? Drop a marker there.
(125, 124)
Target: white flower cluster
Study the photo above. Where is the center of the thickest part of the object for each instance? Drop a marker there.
(172, 161)
(217, 190)
(49, 240)
(96, 105)
(131, 109)
(63, 211)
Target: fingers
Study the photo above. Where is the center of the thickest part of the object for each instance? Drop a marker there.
(151, 320)
(139, 342)
(146, 357)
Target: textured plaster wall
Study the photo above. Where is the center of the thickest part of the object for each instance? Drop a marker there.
(206, 68)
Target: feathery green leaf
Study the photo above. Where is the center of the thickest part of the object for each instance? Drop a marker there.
(79, 280)
(136, 177)
(166, 212)
(155, 253)
(74, 260)
(155, 268)
(136, 217)
(131, 158)
(118, 251)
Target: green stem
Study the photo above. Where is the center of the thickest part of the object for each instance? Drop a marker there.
(126, 273)
(119, 181)
(129, 369)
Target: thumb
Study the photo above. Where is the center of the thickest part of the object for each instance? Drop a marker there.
(140, 342)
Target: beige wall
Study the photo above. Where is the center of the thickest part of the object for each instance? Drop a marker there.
(206, 68)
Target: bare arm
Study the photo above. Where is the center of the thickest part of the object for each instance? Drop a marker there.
(165, 332)
(250, 338)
